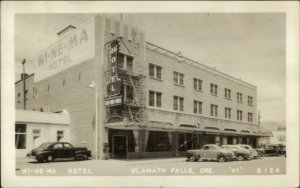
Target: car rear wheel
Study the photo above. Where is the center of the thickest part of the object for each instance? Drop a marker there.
(50, 158)
(240, 157)
(221, 159)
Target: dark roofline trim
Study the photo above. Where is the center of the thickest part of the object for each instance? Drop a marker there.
(23, 78)
(69, 26)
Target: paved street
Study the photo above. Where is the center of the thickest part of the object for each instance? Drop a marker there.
(154, 167)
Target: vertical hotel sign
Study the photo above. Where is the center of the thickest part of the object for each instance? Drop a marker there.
(114, 84)
(76, 47)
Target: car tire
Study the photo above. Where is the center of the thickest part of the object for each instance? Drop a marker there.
(84, 157)
(259, 156)
(240, 157)
(50, 158)
(221, 158)
(193, 158)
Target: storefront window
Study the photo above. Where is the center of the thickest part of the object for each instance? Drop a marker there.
(158, 141)
(20, 136)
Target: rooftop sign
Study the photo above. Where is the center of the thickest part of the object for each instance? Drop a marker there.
(76, 47)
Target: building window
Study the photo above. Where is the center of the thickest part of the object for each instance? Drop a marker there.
(178, 78)
(60, 135)
(36, 133)
(227, 113)
(250, 100)
(214, 110)
(250, 116)
(19, 95)
(197, 84)
(239, 115)
(158, 141)
(154, 98)
(155, 71)
(26, 92)
(20, 136)
(178, 103)
(239, 97)
(213, 89)
(197, 107)
(227, 93)
(128, 93)
(125, 62)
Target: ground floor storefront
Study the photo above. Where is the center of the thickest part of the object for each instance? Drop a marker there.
(143, 143)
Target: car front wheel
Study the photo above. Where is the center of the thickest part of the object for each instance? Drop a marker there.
(240, 157)
(221, 159)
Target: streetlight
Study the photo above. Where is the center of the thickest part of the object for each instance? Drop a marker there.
(93, 85)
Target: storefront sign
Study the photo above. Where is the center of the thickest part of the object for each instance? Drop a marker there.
(114, 85)
(113, 101)
(76, 47)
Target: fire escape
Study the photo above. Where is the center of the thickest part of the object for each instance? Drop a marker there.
(133, 96)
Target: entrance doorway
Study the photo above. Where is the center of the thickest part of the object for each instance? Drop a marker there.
(120, 145)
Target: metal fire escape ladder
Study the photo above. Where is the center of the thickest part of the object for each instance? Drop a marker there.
(134, 98)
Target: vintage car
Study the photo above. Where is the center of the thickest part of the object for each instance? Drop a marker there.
(274, 150)
(252, 151)
(209, 152)
(239, 152)
(50, 151)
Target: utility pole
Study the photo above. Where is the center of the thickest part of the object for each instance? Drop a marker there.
(24, 84)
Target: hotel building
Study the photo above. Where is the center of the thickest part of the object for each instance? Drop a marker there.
(133, 99)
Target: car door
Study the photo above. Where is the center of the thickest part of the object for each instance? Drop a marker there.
(204, 152)
(68, 150)
(213, 152)
(58, 150)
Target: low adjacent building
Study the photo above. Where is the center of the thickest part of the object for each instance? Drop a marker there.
(33, 128)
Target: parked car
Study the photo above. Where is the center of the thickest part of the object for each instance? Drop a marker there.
(209, 152)
(274, 150)
(50, 151)
(252, 151)
(240, 153)
(260, 151)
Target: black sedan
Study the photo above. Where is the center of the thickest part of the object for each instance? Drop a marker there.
(50, 151)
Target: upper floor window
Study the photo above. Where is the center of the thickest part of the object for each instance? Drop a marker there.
(197, 84)
(198, 107)
(239, 97)
(227, 93)
(213, 110)
(178, 103)
(125, 62)
(250, 116)
(239, 115)
(155, 71)
(214, 89)
(227, 113)
(154, 98)
(250, 100)
(128, 93)
(178, 78)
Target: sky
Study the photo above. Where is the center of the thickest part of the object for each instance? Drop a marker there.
(250, 46)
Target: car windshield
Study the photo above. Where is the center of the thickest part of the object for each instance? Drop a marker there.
(44, 145)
